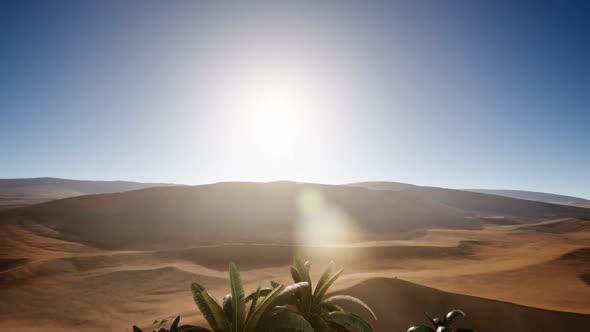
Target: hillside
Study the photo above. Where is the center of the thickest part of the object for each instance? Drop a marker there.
(399, 304)
(122, 258)
(482, 205)
(534, 196)
(20, 192)
(278, 212)
(168, 217)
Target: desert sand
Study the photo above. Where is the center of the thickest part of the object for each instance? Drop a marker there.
(28, 191)
(106, 262)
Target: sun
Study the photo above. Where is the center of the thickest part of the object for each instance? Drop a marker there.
(275, 127)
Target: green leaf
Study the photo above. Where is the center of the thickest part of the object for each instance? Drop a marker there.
(263, 292)
(337, 327)
(452, 315)
(255, 297)
(302, 270)
(319, 325)
(286, 319)
(325, 282)
(190, 328)
(136, 329)
(351, 320)
(329, 307)
(174, 326)
(261, 309)
(295, 275)
(274, 284)
(210, 309)
(324, 277)
(420, 328)
(299, 274)
(238, 298)
(434, 323)
(289, 291)
(227, 305)
(352, 299)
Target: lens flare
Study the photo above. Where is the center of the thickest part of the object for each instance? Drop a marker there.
(320, 222)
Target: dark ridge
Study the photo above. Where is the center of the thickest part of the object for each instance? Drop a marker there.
(405, 303)
(11, 263)
(578, 254)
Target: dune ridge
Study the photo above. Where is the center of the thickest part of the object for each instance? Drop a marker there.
(399, 304)
(122, 258)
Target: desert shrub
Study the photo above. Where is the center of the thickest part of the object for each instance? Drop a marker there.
(266, 311)
(174, 327)
(296, 307)
(322, 312)
(442, 325)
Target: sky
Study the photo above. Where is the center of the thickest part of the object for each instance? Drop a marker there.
(458, 94)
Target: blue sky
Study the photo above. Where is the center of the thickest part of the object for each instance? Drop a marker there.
(460, 94)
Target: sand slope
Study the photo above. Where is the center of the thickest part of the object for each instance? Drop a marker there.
(229, 212)
(20, 192)
(534, 196)
(105, 262)
(399, 304)
(267, 213)
(483, 204)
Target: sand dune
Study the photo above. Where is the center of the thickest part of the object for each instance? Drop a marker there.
(29, 240)
(399, 304)
(483, 204)
(103, 301)
(113, 260)
(567, 225)
(212, 260)
(535, 196)
(230, 212)
(113, 289)
(28, 191)
(557, 284)
(462, 262)
(166, 217)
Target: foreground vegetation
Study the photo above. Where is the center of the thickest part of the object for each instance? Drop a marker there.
(442, 325)
(296, 307)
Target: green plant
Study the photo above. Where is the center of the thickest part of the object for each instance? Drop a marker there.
(266, 312)
(294, 307)
(174, 327)
(321, 311)
(442, 325)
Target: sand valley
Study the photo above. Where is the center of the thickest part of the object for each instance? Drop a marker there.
(108, 261)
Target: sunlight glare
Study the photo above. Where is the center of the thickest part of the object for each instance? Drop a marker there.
(275, 128)
(321, 222)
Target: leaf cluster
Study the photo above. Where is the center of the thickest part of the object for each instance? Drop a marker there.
(442, 325)
(296, 307)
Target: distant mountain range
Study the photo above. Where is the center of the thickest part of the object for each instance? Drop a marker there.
(533, 196)
(28, 191)
(519, 194)
(246, 212)
(19, 192)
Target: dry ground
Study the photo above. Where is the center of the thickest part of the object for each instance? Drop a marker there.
(59, 285)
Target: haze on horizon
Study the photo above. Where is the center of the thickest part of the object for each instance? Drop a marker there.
(457, 94)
